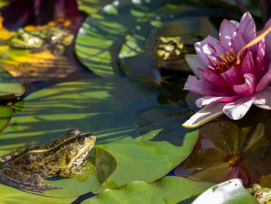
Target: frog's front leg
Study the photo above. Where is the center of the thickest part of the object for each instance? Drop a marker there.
(74, 170)
(23, 180)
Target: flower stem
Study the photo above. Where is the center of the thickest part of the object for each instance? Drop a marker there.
(241, 6)
(266, 10)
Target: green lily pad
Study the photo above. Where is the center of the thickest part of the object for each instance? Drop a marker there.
(91, 6)
(168, 190)
(229, 192)
(233, 149)
(108, 107)
(10, 88)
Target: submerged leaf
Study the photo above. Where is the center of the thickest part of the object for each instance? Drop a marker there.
(105, 164)
(233, 149)
(5, 115)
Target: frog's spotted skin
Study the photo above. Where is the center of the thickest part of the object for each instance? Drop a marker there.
(170, 51)
(263, 195)
(65, 157)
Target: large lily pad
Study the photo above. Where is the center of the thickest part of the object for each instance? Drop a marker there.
(108, 107)
(233, 149)
(166, 190)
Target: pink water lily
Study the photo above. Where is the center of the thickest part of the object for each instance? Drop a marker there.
(231, 78)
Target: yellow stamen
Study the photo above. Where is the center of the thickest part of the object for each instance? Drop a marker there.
(252, 42)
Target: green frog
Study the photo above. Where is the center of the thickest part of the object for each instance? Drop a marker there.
(38, 39)
(170, 51)
(64, 157)
(263, 195)
(25, 40)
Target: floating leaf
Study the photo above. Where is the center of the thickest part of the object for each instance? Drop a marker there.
(229, 192)
(92, 6)
(10, 88)
(168, 190)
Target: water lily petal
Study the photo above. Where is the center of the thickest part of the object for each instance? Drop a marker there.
(213, 44)
(249, 36)
(265, 81)
(216, 80)
(236, 23)
(244, 21)
(267, 45)
(232, 76)
(205, 115)
(237, 41)
(194, 62)
(248, 64)
(237, 109)
(210, 99)
(201, 86)
(260, 59)
(226, 31)
(248, 87)
(263, 99)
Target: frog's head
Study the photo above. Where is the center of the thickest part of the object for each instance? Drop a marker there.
(54, 34)
(76, 145)
(168, 47)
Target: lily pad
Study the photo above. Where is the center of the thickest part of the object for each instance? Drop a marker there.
(166, 190)
(10, 88)
(229, 192)
(91, 7)
(233, 149)
(108, 107)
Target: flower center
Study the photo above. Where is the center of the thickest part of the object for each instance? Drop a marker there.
(228, 60)
(234, 160)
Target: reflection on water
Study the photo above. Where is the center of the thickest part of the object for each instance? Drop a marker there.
(230, 149)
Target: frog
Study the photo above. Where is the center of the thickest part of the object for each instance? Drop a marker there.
(66, 156)
(25, 40)
(170, 51)
(52, 38)
(53, 34)
(262, 195)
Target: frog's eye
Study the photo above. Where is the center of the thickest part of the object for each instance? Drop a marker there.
(22, 36)
(258, 194)
(80, 141)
